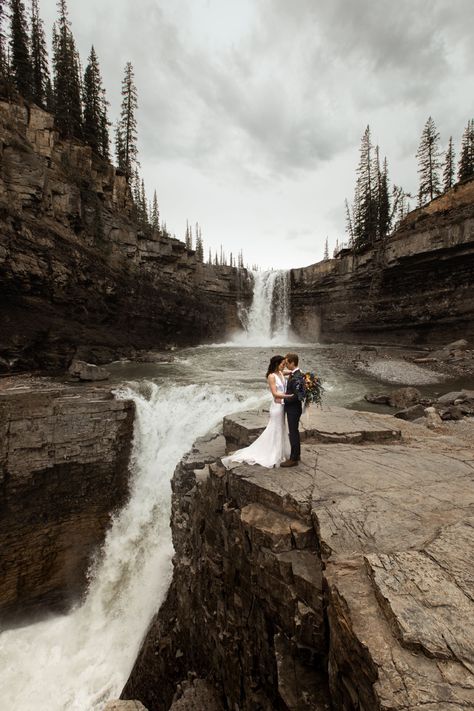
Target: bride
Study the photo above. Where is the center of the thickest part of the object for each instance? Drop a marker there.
(273, 445)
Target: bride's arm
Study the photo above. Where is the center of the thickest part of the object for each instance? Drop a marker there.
(278, 397)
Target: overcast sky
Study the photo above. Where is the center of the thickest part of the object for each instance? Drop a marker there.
(251, 111)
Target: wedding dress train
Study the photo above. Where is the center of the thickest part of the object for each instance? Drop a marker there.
(273, 446)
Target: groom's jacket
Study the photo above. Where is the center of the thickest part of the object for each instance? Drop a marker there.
(295, 386)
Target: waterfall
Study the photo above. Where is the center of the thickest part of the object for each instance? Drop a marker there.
(267, 320)
(77, 662)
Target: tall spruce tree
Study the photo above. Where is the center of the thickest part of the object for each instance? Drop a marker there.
(188, 240)
(365, 202)
(326, 250)
(448, 170)
(429, 163)
(126, 138)
(466, 160)
(199, 248)
(155, 213)
(67, 81)
(3, 48)
(144, 205)
(383, 202)
(95, 108)
(41, 82)
(21, 66)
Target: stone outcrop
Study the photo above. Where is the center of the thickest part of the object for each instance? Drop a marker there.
(416, 288)
(345, 583)
(79, 277)
(64, 455)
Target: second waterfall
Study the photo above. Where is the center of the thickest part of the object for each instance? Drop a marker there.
(267, 320)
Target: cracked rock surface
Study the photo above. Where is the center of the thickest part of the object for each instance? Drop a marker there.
(346, 582)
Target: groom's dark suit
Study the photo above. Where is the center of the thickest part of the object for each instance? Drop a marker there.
(293, 409)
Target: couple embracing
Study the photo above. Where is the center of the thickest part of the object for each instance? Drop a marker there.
(276, 447)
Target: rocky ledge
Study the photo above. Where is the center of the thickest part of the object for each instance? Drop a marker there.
(345, 583)
(64, 454)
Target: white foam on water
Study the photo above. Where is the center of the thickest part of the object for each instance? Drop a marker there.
(77, 662)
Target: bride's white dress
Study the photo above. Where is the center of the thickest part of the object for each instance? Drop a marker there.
(273, 445)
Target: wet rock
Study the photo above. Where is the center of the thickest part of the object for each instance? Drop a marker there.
(454, 412)
(450, 398)
(411, 413)
(405, 397)
(454, 350)
(64, 455)
(377, 399)
(196, 695)
(433, 420)
(87, 371)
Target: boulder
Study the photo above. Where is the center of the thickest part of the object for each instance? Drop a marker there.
(196, 695)
(450, 398)
(452, 350)
(404, 397)
(453, 412)
(86, 371)
(379, 399)
(411, 413)
(433, 420)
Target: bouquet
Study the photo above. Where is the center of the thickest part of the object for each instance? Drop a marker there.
(314, 389)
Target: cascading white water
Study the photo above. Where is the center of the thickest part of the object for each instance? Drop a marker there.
(79, 661)
(267, 320)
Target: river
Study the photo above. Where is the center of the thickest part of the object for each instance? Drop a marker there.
(78, 661)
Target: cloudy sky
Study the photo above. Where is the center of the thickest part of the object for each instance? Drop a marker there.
(251, 111)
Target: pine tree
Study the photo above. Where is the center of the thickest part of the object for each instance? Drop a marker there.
(39, 58)
(383, 202)
(155, 213)
(326, 250)
(466, 160)
(448, 171)
(95, 107)
(67, 81)
(188, 240)
(136, 194)
(365, 201)
(3, 49)
(349, 223)
(429, 163)
(209, 258)
(144, 204)
(19, 50)
(199, 248)
(127, 156)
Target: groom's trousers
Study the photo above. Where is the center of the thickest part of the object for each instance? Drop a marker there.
(293, 414)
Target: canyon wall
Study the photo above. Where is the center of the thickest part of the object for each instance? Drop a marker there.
(64, 455)
(416, 288)
(78, 276)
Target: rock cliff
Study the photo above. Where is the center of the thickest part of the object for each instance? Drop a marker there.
(345, 583)
(78, 277)
(416, 288)
(64, 455)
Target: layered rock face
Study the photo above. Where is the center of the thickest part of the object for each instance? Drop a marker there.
(345, 583)
(64, 458)
(417, 288)
(78, 277)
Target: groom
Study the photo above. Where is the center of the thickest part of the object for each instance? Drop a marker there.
(293, 407)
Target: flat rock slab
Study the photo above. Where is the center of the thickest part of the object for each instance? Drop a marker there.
(394, 520)
(328, 425)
